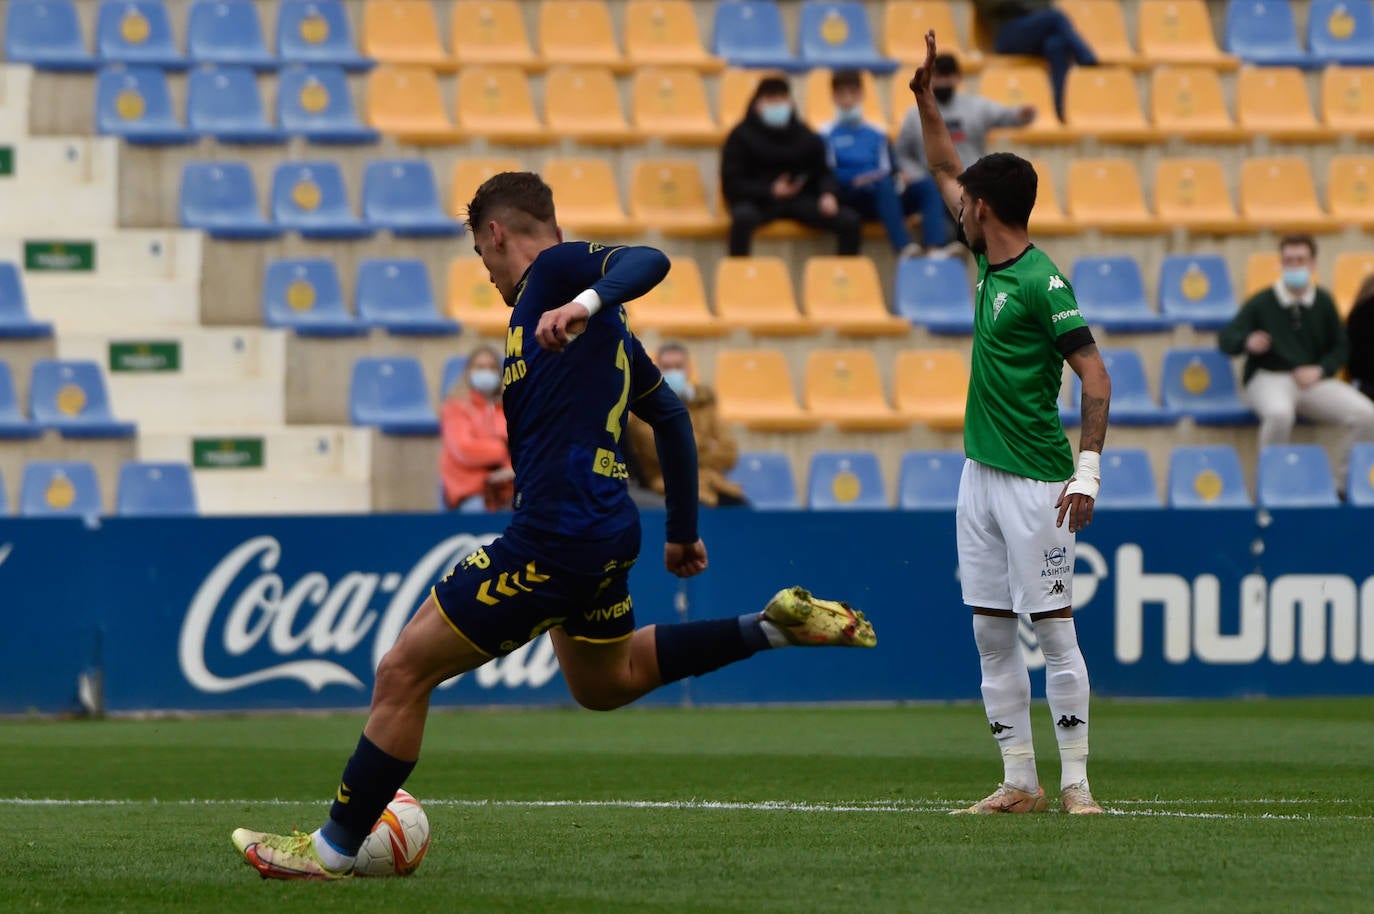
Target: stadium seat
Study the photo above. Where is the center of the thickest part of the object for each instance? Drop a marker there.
(845, 294)
(582, 103)
(1188, 102)
(1262, 270)
(905, 23)
(473, 301)
(1048, 217)
(756, 294)
(1359, 481)
(454, 367)
(1130, 479)
(1111, 294)
(390, 394)
(929, 480)
(835, 33)
(670, 103)
(663, 33)
(136, 32)
(1179, 32)
(1102, 102)
(1279, 194)
(401, 195)
(1295, 476)
(318, 33)
(311, 198)
(133, 103)
(932, 387)
(223, 103)
(396, 296)
(1207, 477)
(588, 201)
(403, 32)
(46, 34)
(737, 87)
(59, 488)
(749, 33)
(845, 388)
(70, 397)
(578, 32)
(935, 294)
(1264, 32)
(227, 32)
(405, 102)
(1105, 194)
(1201, 384)
(677, 305)
(13, 422)
(818, 102)
(1191, 194)
(1017, 85)
(15, 320)
(494, 102)
(1273, 102)
(156, 490)
(1341, 32)
(1348, 100)
(669, 195)
(469, 173)
(222, 199)
(490, 32)
(305, 296)
(1196, 289)
(1132, 402)
(1352, 269)
(314, 102)
(755, 388)
(846, 481)
(1103, 27)
(1349, 195)
(766, 477)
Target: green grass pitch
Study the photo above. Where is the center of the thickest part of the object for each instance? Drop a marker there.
(1217, 806)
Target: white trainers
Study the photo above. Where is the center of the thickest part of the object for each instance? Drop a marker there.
(1007, 799)
(1077, 800)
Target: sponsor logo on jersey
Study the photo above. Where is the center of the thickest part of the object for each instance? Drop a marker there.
(1063, 315)
(1055, 283)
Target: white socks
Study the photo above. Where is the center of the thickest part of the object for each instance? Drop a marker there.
(1006, 697)
(329, 856)
(1066, 687)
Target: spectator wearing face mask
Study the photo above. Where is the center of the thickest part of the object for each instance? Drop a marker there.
(717, 451)
(474, 463)
(774, 167)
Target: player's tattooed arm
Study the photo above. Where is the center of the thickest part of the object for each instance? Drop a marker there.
(1097, 393)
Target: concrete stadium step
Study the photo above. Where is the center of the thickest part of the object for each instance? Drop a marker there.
(251, 492)
(61, 185)
(299, 452)
(14, 101)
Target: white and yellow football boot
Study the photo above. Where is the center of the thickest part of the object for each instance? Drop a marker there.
(808, 621)
(290, 856)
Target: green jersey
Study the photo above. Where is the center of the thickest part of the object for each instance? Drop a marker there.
(1025, 320)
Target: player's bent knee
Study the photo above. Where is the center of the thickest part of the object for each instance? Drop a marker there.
(397, 681)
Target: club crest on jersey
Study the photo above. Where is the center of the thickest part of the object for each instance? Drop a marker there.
(1055, 283)
(998, 303)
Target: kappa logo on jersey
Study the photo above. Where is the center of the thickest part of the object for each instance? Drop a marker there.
(1055, 283)
(998, 303)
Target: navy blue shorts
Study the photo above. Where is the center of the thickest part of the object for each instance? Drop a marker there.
(512, 591)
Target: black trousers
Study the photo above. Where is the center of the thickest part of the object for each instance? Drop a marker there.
(746, 217)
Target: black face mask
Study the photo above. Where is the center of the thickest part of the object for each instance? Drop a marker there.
(943, 94)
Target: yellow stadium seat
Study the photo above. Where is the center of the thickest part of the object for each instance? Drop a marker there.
(1279, 194)
(669, 195)
(1105, 194)
(583, 103)
(586, 198)
(405, 102)
(579, 32)
(490, 32)
(755, 388)
(1348, 100)
(1025, 85)
(1352, 269)
(1191, 193)
(664, 33)
(495, 102)
(1262, 270)
(1350, 190)
(468, 175)
(818, 108)
(677, 306)
(473, 300)
(403, 32)
(1103, 27)
(1048, 217)
(1179, 32)
(755, 294)
(903, 38)
(670, 103)
(1273, 102)
(1187, 102)
(932, 387)
(1102, 102)
(844, 387)
(845, 293)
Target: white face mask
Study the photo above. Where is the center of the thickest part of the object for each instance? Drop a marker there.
(776, 114)
(484, 380)
(676, 379)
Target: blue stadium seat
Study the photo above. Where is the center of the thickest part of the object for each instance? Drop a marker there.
(317, 32)
(314, 102)
(1128, 479)
(4, 502)
(221, 198)
(310, 198)
(1111, 295)
(836, 35)
(391, 395)
(70, 396)
(396, 295)
(305, 296)
(13, 423)
(46, 34)
(749, 33)
(1341, 32)
(1207, 477)
(454, 367)
(1200, 384)
(1295, 476)
(1132, 402)
(133, 103)
(929, 480)
(1196, 289)
(15, 321)
(136, 32)
(846, 481)
(156, 490)
(1263, 32)
(59, 488)
(766, 477)
(227, 32)
(401, 195)
(1359, 481)
(223, 102)
(935, 294)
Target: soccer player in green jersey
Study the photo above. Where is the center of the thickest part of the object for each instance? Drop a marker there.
(1019, 484)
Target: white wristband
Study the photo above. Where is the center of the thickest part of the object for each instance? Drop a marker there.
(589, 300)
(1087, 478)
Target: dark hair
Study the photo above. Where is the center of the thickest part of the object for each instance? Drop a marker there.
(847, 79)
(522, 192)
(1006, 182)
(770, 85)
(946, 65)
(672, 346)
(1364, 295)
(1299, 238)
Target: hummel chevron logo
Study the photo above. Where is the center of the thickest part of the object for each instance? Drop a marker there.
(997, 727)
(1066, 721)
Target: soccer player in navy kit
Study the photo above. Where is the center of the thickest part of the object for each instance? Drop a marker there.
(572, 370)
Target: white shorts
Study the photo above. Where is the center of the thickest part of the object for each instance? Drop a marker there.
(1011, 555)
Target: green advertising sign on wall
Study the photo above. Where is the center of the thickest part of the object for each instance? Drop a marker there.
(59, 256)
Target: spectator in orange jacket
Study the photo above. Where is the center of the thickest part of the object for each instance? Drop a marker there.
(475, 461)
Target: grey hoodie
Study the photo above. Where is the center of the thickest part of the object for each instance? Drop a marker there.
(968, 116)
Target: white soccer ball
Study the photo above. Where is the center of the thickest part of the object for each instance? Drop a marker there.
(397, 842)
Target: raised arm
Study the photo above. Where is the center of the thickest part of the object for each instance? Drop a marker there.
(941, 159)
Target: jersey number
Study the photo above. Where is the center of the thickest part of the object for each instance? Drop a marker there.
(617, 413)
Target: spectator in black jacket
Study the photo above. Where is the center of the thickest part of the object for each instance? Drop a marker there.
(1359, 329)
(774, 167)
